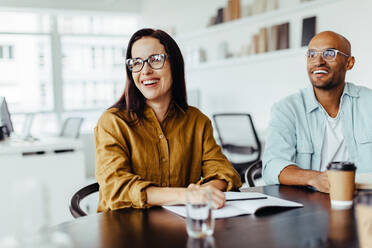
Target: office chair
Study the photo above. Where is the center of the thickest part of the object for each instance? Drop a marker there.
(253, 173)
(75, 208)
(237, 135)
(71, 127)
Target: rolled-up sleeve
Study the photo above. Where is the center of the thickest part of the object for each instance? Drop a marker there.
(119, 187)
(214, 164)
(280, 148)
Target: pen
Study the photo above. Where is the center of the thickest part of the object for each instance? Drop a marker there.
(252, 198)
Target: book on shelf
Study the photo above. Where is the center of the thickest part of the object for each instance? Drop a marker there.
(271, 5)
(246, 10)
(308, 30)
(220, 15)
(235, 9)
(228, 11)
(272, 38)
(250, 203)
(283, 36)
(262, 40)
(255, 41)
(202, 55)
(258, 7)
(212, 21)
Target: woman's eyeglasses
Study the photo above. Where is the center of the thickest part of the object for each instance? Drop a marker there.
(329, 54)
(155, 61)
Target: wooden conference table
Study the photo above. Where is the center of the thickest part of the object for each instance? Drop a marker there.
(313, 226)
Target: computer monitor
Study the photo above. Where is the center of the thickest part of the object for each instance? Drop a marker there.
(5, 116)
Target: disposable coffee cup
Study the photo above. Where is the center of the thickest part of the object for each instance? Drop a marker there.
(341, 177)
(363, 211)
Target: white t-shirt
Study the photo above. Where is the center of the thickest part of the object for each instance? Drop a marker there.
(334, 148)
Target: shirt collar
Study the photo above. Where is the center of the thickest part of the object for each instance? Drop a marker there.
(173, 109)
(351, 90)
(310, 100)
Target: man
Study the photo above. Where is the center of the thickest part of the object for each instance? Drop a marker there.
(330, 121)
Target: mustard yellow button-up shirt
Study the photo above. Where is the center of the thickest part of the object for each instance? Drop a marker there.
(130, 156)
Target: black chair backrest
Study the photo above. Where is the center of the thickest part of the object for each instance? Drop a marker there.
(253, 172)
(75, 209)
(237, 135)
(237, 126)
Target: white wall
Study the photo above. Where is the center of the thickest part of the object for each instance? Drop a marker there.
(255, 85)
(179, 16)
(186, 15)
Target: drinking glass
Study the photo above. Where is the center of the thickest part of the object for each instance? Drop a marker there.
(206, 242)
(199, 222)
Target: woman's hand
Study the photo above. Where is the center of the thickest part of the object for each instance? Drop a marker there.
(160, 196)
(218, 197)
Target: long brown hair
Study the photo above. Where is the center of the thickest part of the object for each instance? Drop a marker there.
(132, 99)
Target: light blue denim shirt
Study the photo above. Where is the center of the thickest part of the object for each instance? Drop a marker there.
(297, 126)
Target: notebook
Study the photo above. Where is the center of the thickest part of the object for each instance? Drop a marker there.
(250, 205)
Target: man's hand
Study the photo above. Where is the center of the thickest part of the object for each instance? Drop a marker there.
(218, 197)
(293, 175)
(320, 182)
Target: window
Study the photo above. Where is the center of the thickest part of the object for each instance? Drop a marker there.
(21, 22)
(93, 49)
(59, 64)
(10, 52)
(26, 85)
(6, 52)
(93, 71)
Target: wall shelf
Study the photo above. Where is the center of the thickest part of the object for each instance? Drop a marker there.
(229, 62)
(249, 20)
(237, 35)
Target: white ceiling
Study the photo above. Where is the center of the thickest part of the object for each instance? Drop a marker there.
(127, 6)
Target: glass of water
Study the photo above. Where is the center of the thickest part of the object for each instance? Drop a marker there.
(199, 222)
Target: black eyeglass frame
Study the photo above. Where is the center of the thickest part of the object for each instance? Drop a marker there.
(322, 53)
(164, 56)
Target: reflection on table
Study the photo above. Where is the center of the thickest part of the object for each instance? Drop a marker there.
(314, 225)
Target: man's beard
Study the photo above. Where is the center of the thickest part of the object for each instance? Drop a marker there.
(329, 85)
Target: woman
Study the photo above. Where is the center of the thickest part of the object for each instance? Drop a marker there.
(151, 146)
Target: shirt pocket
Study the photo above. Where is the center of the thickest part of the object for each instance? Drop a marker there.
(364, 152)
(364, 146)
(304, 145)
(305, 148)
(304, 154)
(364, 139)
(362, 128)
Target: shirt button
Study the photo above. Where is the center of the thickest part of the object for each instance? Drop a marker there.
(161, 136)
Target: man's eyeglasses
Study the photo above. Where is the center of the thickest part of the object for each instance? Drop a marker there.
(155, 61)
(329, 54)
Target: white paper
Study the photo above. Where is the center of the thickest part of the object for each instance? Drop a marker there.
(241, 207)
(242, 195)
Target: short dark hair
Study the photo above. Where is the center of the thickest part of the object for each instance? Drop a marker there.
(132, 99)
